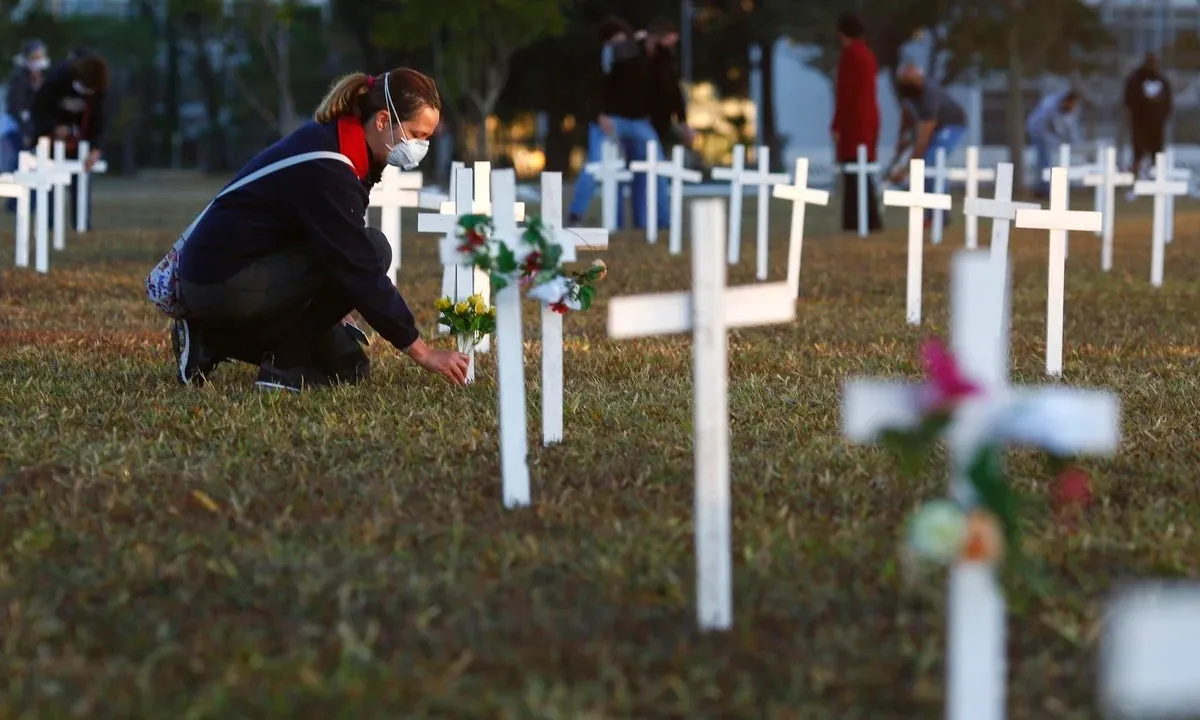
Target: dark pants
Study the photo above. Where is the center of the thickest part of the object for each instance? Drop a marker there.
(284, 305)
(1147, 142)
(850, 203)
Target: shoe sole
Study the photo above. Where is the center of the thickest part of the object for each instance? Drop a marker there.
(184, 352)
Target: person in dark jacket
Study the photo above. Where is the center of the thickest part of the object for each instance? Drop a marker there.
(668, 109)
(1148, 104)
(70, 106)
(26, 78)
(271, 269)
(856, 118)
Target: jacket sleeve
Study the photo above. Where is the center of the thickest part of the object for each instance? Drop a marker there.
(841, 94)
(330, 204)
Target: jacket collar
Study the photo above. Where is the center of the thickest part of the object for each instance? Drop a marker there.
(352, 142)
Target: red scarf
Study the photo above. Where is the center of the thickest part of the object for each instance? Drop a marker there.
(352, 142)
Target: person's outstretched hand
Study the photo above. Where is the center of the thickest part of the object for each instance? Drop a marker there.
(450, 364)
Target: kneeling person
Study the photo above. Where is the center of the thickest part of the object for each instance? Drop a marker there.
(271, 268)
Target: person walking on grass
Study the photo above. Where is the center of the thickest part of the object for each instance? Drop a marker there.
(936, 122)
(1052, 123)
(270, 270)
(1148, 105)
(856, 118)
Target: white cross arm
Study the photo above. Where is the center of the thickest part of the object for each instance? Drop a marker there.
(1095, 179)
(620, 172)
(907, 198)
(963, 175)
(51, 175)
(854, 166)
(588, 238)
(447, 208)
(758, 178)
(871, 406)
(393, 197)
(804, 195)
(1064, 421)
(1077, 172)
(1157, 187)
(431, 200)
(675, 171)
(436, 223)
(728, 173)
(1150, 652)
(996, 209)
(448, 252)
(11, 189)
(1076, 220)
(666, 313)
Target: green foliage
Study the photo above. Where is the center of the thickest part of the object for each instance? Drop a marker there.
(471, 317)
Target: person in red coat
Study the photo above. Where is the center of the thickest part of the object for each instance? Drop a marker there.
(856, 118)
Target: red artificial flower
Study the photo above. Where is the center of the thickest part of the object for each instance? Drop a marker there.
(472, 240)
(533, 263)
(945, 385)
(559, 307)
(1071, 495)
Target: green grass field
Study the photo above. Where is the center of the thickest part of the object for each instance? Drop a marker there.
(218, 553)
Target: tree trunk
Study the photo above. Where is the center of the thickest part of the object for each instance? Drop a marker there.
(766, 119)
(288, 119)
(482, 151)
(1014, 113)
(558, 143)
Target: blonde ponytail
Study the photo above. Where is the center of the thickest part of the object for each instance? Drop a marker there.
(344, 97)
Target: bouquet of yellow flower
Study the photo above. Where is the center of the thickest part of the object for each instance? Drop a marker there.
(469, 321)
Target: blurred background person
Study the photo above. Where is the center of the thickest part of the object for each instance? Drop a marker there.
(1148, 105)
(1054, 122)
(16, 125)
(856, 118)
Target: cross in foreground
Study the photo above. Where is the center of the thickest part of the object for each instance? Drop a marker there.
(971, 175)
(1060, 419)
(395, 190)
(1163, 189)
(800, 194)
(570, 240)
(460, 279)
(510, 353)
(1150, 652)
(1058, 220)
(917, 201)
(610, 172)
(709, 311)
(864, 171)
(1106, 180)
(1002, 210)
(679, 174)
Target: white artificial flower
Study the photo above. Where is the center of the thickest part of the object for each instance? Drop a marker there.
(551, 291)
(937, 531)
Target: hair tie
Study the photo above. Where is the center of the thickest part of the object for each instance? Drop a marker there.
(371, 81)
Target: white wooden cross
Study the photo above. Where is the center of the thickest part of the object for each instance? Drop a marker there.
(83, 180)
(764, 180)
(1055, 418)
(940, 174)
(395, 190)
(651, 167)
(800, 195)
(41, 176)
(735, 174)
(1074, 174)
(1107, 179)
(429, 199)
(917, 201)
(1161, 188)
(971, 175)
(1174, 173)
(19, 191)
(1150, 652)
(864, 171)
(510, 352)
(1058, 220)
(460, 279)
(1001, 209)
(678, 174)
(465, 278)
(709, 311)
(570, 240)
(482, 202)
(1100, 197)
(609, 172)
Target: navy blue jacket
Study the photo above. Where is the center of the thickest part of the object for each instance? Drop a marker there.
(318, 204)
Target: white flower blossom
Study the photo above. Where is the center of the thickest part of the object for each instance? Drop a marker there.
(937, 531)
(552, 291)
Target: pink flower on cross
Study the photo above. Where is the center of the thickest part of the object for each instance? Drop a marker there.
(945, 384)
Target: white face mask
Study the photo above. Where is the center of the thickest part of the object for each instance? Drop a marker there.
(80, 88)
(38, 64)
(409, 153)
